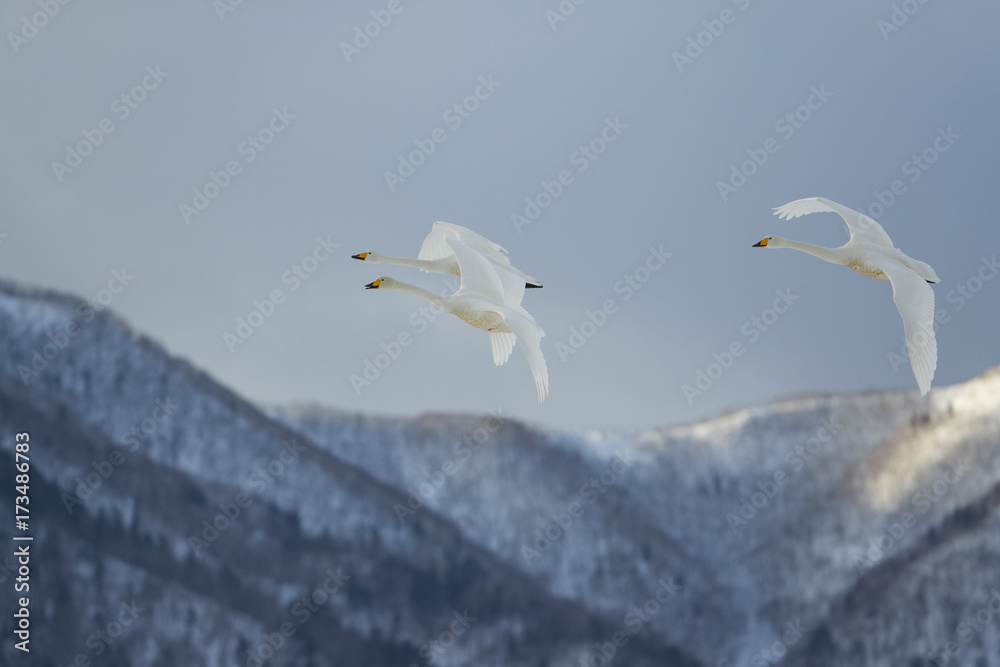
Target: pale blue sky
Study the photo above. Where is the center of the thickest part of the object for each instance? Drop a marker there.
(327, 131)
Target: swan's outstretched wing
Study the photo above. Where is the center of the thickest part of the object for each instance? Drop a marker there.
(860, 226)
(502, 344)
(530, 336)
(915, 300)
(435, 247)
(479, 276)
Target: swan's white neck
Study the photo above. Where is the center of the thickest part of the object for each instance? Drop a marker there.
(832, 255)
(419, 291)
(423, 264)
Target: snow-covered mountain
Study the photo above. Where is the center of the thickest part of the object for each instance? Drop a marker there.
(832, 530)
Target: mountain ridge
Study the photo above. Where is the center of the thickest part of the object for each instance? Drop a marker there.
(564, 538)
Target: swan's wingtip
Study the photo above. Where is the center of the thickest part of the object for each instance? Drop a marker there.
(543, 389)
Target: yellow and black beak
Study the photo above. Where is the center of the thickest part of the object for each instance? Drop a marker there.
(374, 284)
(360, 256)
(762, 244)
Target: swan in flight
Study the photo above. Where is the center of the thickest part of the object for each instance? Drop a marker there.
(480, 301)
(437, 256)
(870, 252)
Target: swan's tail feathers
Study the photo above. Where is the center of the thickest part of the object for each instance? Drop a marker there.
(502, 344)
(532, 286)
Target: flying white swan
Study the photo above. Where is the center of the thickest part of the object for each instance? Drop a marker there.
(479, 301)
(438, 257)
(870, 252)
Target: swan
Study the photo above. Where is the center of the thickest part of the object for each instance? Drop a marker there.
(437, 256)
(870, 252)
(480, 302)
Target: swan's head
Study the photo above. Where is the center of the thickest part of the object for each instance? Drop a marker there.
(770, 242)
(366, 257)
(381, 283)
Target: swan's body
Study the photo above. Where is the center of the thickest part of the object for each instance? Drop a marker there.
(870, 252)
(480, 301)
(437, 256)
